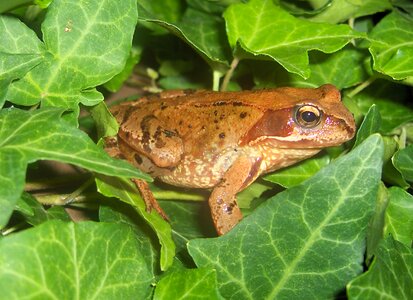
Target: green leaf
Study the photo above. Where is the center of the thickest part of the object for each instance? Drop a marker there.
(38, 213)
(59, 260)
(296, 174)
(117, 81)
(87, 44)
(203, 32)
(399, 215)
(252, 192)
(264, 29)
(341, 10)
(344, 68)
(106, 124)
(376, 225)
(371, 124)
(114, 211)
(387, 96)
(403, 161)
(127, 192)
(306, 242)
(188, 284)
(392, 46)
(28, 136)
(189, 221)
(20, 51)
(390, 275)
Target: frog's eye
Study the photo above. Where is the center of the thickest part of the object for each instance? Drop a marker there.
(307, 116)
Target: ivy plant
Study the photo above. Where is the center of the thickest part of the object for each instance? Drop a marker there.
(339, 225)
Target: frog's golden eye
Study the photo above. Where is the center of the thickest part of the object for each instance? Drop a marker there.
(307, 116)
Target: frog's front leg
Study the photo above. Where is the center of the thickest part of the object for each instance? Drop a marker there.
(222, 202)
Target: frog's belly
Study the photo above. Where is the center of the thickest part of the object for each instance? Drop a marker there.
(204, 172)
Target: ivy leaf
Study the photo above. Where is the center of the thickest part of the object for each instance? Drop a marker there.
(28, 136)
(118, 212)
(90, 260)
(389, 276)
(403, 161)
(399, 215)
(296, 174)
(382, 93)
(371, 124)
(203, 32)
(306, 242)
(188, 284)
(38, 214)
(87, 43)
(344, 68)
(392, 46)
(188, 220)
(274, 34)
(128, 193)
(341, 10)
(20, 51)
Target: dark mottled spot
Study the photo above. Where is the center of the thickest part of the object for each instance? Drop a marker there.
(243, 115)
(221, 135)
(169, 133)
(160, 143)
(203, 127)
(189, 126)
(180, 122)
(220, 201)
(216, 121)
(221, 117)
(219, 103)
(198, 105)
(163, 105)
(237, 103)
(138, 159)
(215, 112)
(127, 113)
(145, 132)
(157, 132)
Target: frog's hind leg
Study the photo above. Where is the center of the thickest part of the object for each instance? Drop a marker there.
(148, 198)
(222, 202)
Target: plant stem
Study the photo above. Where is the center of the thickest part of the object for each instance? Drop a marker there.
(215, 80)
(362, 86)
(12, 229)
(72, 197)
(228, 76)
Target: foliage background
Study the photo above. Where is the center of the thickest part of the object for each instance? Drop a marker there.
(337, 225)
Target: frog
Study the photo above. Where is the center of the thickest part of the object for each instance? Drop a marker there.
(223, 141)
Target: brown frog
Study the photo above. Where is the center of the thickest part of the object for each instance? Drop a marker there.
(225, 140)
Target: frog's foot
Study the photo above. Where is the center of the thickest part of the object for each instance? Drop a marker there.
(148, 198)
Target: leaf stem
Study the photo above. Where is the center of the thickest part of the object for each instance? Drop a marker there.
(13, 229)
(72, 197)
(229, 73)
(216, 75)
(362, 86)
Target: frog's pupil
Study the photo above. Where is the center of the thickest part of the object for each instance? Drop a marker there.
(308, 116)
